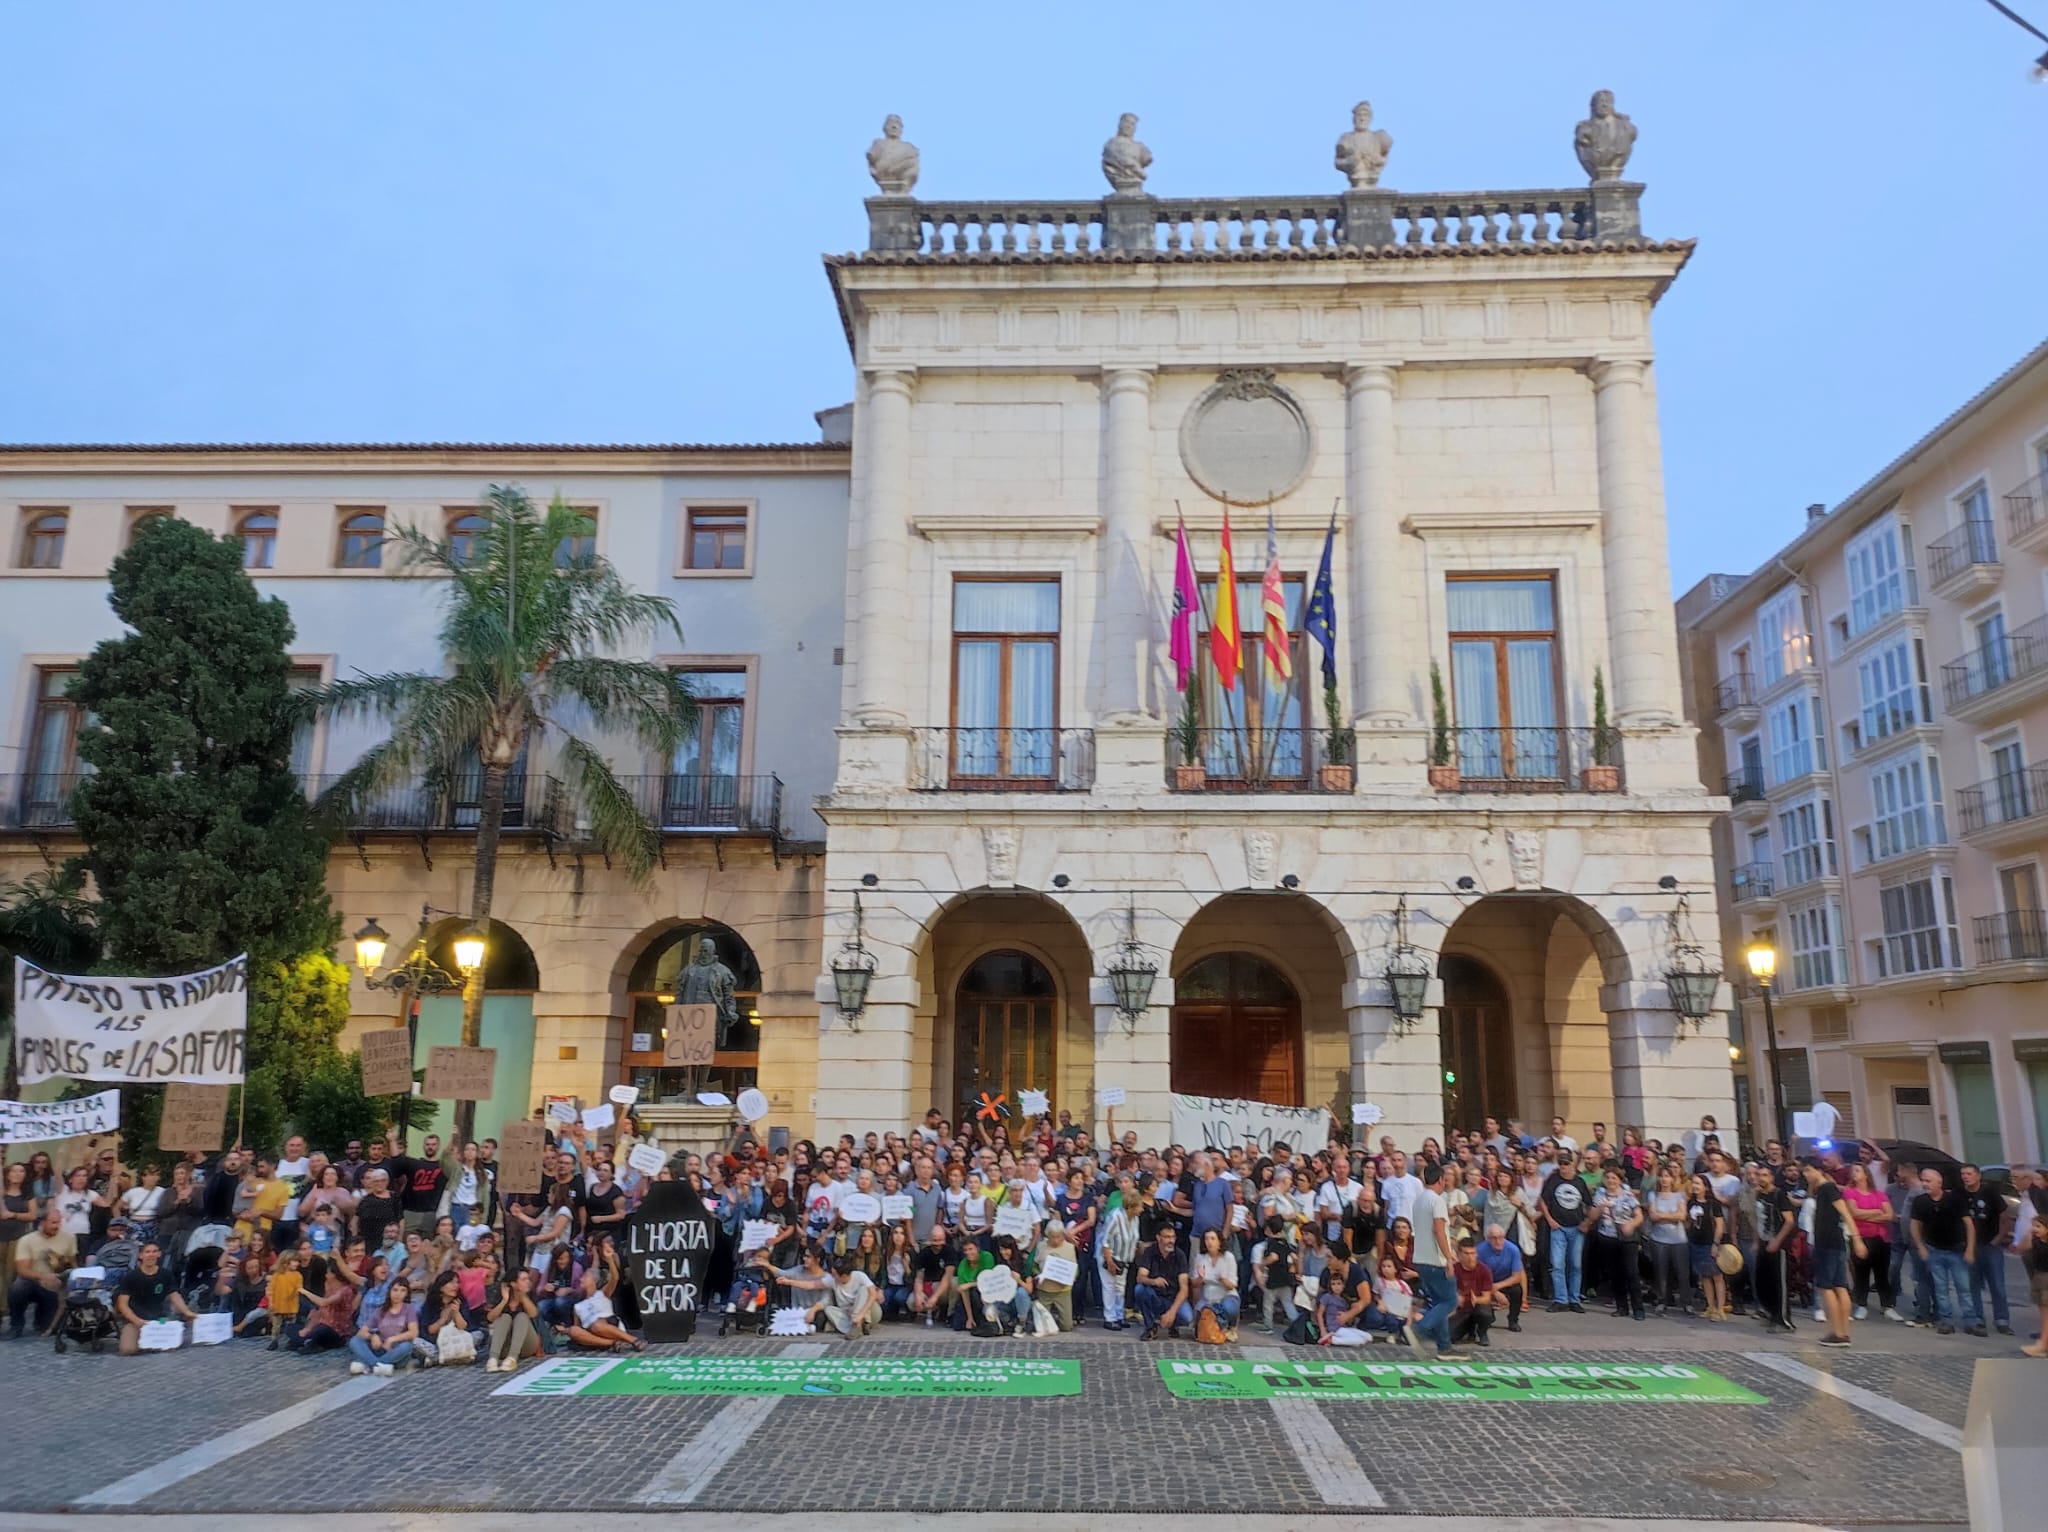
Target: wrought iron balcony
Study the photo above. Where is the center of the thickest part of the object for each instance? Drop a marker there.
(2011, 936)
(679, 802)
(1536, 760)
(1753, 880)
(2003, 800)
(38, 800)
(1972, 545)
(1994, 666)
(1734, 693)
(1744, 785)
(988, 760)
(451, 806)
(1252, 760)
(2026, 508)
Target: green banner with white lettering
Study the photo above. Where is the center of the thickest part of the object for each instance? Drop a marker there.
(1537, 1382)
(1001, 1377)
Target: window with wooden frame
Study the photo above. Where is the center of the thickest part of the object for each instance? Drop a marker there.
(1255, 732)
(715, 539)
(53, 764)
(580, 547)
(361, 543)
(1504, 680)
(703, 785)
(140, 516)
(256, 526)
(466, 529)
(42, 536)
(1006, 665)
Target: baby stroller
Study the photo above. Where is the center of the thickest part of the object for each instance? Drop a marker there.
(86, 1316)
(752, 1308)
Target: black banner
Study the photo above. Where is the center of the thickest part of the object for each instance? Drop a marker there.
(670, 1240)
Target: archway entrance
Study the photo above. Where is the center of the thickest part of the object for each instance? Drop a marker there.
(653, 985)
(1005, 1020)
(1237, 1031)
(1477, 1034)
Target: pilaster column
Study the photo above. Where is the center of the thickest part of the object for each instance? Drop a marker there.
(1374, 548)
(1399, 1069)
(883, 552)
(1126, 543)
(1642, 636)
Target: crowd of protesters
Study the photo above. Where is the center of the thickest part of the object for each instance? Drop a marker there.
(394, 1259)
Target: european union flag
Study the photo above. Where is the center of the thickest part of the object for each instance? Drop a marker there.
(1321, 622)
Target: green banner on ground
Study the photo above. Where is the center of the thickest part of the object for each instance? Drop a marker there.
(1537, 1382)
(821, 1377)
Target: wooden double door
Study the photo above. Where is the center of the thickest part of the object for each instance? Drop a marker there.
(1237, 1031)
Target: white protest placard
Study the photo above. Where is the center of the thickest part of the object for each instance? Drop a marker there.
(1032, 1103)
(1219, 1122)
(1824, 1118)
(592, 1309)
(859, 1207)
(35, 1122)
(625, 1095)
(897, 1208)
(1805, 1125)
(561, 1111)
(998, 1284)
(1111, 1095)
(188, 1027)
(756, 1232)
(1240, 1216)
(648, 1159)
(1015, 1222)
(713, 1098)
(1061, 1269)
(796, 1321)
(212, 1329)
(753, 1105)
(1365, 1113)
(1400, 1305)
(596, 1118)
(162, 1335)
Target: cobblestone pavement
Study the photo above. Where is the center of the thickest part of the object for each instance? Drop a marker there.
(439, 1440)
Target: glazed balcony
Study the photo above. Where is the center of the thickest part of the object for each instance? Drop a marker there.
(990, 760)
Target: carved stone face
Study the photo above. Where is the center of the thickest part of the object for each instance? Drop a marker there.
(1127, 125)
(1603, 103)
(1361, 116)
(892, 126)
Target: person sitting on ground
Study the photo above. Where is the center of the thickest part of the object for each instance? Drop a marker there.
(383, 1342)
(931, 1288)
(1013, 1255)
(1477, 1297)
(595, 1326)
(514, 1319)
(1214, 1280)
(445, 1312)
(1058, 1296)
(327, 1309)
(1394, 1298)
(852, 1305)
(145, 1295)
(971, 1314)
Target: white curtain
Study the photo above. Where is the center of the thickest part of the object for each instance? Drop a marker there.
(977, 708)
(1031, 720)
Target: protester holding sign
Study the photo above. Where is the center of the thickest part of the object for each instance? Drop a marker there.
(147, 1295)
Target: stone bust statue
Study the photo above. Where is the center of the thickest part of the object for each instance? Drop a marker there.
(1124, 159)
(1362, 153)
(706, 981)
(1604, 139)
(892, 159)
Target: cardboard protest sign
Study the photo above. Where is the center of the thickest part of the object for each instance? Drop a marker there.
(753, 1105)
(1111, 1095)
(1061, 1269)
(212, 1329)
(36, 1122)
(997, 1285)
(692, 1035)
(1018, 1223)
(460, 1074)
(897, 1208)
(648, 1159)
(597, 1118)
(190, 1027)
(387, 1061)
(1032, 1103)
(520, 1147)
(194, 1117)
(625, 1095)
(794, 1321)
(756, 1232)
(667, 1249)
(859, 1207)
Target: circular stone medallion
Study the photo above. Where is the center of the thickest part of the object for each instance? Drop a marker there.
(1246, 440)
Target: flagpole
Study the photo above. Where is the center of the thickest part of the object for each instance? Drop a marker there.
(1195, 675)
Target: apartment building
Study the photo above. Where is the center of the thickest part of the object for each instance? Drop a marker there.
(1874, 703)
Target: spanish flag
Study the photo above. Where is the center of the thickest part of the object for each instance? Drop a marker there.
(1225, 648)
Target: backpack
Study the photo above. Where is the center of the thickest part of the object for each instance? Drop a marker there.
(1302, 1331)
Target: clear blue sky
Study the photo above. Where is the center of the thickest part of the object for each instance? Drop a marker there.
(603, 222)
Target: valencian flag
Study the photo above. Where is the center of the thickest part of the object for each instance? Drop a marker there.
(1187, 600)
(1224, 645)
(1321, 622)
(1273, 602)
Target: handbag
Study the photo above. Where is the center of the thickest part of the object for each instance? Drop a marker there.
(456, 1345)
(1042, 1322)
(1207, 1330)
(1301, 1331)
(1728, 1258)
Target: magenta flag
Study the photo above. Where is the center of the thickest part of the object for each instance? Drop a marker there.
(1187, 599)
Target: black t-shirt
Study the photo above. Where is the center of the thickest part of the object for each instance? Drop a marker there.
(14, 1223)
(148, 1295)
(1987, 1210)
(602, 1204)
(1156, 1263)
(1699, 1220)
(1361, 1228)
(932, 1265)
(1565, 1200)
(1828, 1234)
(420, 1183)
(1941, 1223)
(1771, 1208)
(1153, 1218)
(219, 1195)
(373, 1216)
(1280, 1274)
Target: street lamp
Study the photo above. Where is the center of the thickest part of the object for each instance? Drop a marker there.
(418, 975)
(1131, 974)
(469, 948)
(853, 970)
(1407, 973)
(1690, 980)
(1763, 965)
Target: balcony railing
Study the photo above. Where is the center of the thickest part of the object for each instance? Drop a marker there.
(1754, 880)
(451, 806)
(1745, 785)
(2003, 800)
(2027, 507)
(685, 801)
(2022, 652)
(38, 800)
(1532, 760)
(1736, 691)
(1249, 760)
(1973, 542)
(984, 760)
(2011, 936)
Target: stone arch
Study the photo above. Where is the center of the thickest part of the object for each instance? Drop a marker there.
(509, 964)
(644, 984)
(511, 980)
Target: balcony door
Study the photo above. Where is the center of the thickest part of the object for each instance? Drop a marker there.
(53, 766)
(1256, 732)
(1006, 650)
(702, 786)
(1504, 688)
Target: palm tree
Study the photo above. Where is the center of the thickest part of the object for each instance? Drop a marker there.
(531, 631)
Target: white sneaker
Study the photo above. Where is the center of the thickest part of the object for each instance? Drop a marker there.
(490, 1364)
(1861, 1311)
(1820, 1316)
(1895, 1316)
(383, 1369)
(356, 1369)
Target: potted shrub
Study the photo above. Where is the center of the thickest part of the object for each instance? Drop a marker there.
(1443, 772)
(1189, 774)
(1604, 774)
(1337, 772)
